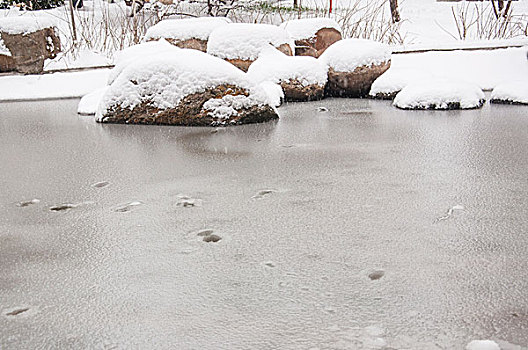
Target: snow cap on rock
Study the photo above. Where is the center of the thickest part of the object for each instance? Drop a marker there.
(393, 80)
(307, 28)
(272, 65)
(483, 345)
(511, 92)
(25, 24)
(245, 41)
(348, 54)
(184, 29)
(439, 94)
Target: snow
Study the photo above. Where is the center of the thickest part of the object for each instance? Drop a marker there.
(272, 65)
(81, 59)
(307, 28)
(140, 51)
(483, 345)
(393, 80)
(183, 29)
(511, 92)
(439, 94)
(24, 24)
(163, 80)
(3, 49)
(51, 86)
(274, 92)
(245, 41)
(89, 103)
(348, 54)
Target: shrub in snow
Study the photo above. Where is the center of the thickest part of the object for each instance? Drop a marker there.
(483, 345)
(354, 64)
(511, 93)
(241, 43)
(301, 78)
(392, 81)
(439, 94)
(312, 36)
(30, 41)
(190, 33)
(184, 87)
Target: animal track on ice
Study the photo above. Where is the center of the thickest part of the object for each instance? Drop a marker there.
(263, 193)
(28, 203)
(450, 212)
(127, 207)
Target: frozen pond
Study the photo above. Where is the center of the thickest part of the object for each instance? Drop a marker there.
(361, 227)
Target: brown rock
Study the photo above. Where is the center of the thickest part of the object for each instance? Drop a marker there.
(189, 111)
(7, 63)
(295, 91)
(196, 44)
(317, 45)
(29, 51)
(356, 83)
(244, 64)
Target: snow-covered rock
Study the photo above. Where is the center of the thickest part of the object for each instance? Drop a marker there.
(354, 64)
(515, 92)
(393, 80)
(190, 33)
(313, 36)
(301, 78)
(440, 94)
(184, 87)
(483, 345)
(89, 103)
(241, 43)
(274, 92)
(137, 52)
(25, 24)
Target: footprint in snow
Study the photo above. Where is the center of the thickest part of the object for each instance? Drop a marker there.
(24, 204)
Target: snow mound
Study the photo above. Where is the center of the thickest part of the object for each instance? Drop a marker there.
(184, 29)
(89, 103)
(245, 41)
(25, 24)
(274, 92)
(307, 28)
(272, 65)
(515, 92)
(163, 80)
(137, 52)
(440, 94)
(483, 345)
(394, 80)
(348, 54)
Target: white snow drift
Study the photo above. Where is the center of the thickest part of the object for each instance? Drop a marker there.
(307, 28)
(184, 29)
(439, 94)
(272, 65)
(245, 41)
(511, 92)
(348, 54)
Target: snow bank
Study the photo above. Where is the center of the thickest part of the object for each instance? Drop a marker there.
(272, 65)
(25, 24)
(142, 51)
(439, 94)
(393, 80)
(51, 86)
(89, 103)
(245, 41)
(184, 29)
(307, 28)
(348, 54)
(515, 92)
(165, 79)
(483, 345)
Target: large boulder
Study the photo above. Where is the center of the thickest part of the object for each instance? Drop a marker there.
(241, 43)
(353, 65)
(30, 40)
(440, 94)
(312, 36)
(7, 63)
(190, 33)
(184, 87)
(301, 78)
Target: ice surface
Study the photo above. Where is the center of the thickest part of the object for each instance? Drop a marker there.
(89, 103)
(439, 94)
(348, 54)
(25, 24)
(245, 41)
(183, 29)
(483, 345)
(307, 28)
(272, 65)
(511, 92)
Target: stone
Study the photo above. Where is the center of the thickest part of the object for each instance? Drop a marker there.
(7, 63)
(294, 91)
(243, 64)
(313, 36)
(356, 83)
